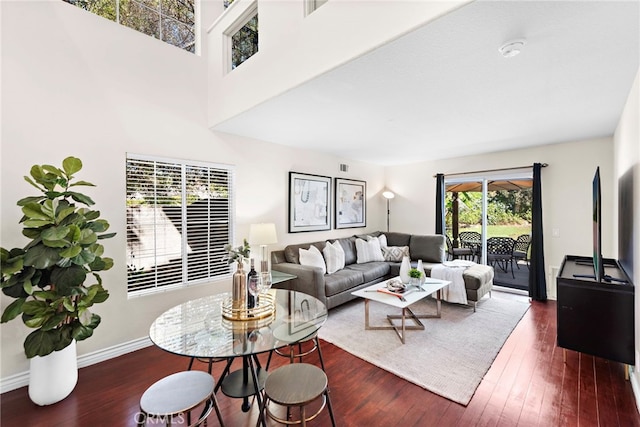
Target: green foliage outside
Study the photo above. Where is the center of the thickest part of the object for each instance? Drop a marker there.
(501, 230)
(162, 184)
(504, 207)
(508, 212)
(244, 42)
(172, 21)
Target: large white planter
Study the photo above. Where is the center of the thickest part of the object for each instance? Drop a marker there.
(53, 377)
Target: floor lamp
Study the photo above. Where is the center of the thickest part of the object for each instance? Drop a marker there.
(263, 234)
(388, 195)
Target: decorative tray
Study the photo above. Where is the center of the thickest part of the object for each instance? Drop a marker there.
(266, 307)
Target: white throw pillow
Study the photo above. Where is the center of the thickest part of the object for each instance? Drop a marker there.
(381, 238)
(333, 256)
(394, 253)
(368, 251)
(312, 258)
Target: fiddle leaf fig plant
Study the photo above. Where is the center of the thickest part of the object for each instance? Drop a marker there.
(48, 276)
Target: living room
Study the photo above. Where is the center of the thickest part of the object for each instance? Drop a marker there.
(77, 84)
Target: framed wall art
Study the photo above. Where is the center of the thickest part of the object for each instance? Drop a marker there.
(309, 202)
(350, 203)
(301, 311)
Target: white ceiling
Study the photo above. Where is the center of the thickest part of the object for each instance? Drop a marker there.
(445, 91)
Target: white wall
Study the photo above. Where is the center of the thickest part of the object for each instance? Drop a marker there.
(305, 47)
(627, 158)
(77, 84)
(566, 193)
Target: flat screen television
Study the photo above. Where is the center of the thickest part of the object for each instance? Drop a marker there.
(598, 264)
(598, 268)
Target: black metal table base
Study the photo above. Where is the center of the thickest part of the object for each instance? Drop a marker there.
(245, 382)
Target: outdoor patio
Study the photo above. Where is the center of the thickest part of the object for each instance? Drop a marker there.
(521, 280)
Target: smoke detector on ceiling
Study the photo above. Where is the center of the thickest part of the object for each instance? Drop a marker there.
(512, 48)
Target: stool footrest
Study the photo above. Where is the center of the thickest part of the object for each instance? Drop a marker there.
(303, 417)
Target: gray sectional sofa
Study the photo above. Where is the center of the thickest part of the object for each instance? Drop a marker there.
(335, 289)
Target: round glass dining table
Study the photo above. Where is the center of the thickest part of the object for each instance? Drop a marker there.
(198, 329)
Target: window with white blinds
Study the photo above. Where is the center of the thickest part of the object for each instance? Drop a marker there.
(179, 217)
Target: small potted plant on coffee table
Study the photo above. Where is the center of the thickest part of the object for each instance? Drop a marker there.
(415, 276)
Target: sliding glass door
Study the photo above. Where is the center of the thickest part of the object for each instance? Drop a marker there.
(491, 214)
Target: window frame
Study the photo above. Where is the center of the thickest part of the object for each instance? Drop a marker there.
(249, 13)
(484, 178)
(311, 6)
(184, 282)
(162, 17)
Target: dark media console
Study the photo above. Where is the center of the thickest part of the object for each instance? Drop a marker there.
(596, 318)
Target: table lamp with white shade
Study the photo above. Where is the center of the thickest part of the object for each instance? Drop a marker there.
(263, 234)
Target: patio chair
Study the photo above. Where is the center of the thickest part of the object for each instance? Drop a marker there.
(521, 249)
(473, 241)
(500, 252)
(458, 253)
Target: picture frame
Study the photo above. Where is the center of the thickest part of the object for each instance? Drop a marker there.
(309, 202)
(350, 203)
(300, 313)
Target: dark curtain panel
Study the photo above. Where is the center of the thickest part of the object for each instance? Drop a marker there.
(537, 278)
(440, 190)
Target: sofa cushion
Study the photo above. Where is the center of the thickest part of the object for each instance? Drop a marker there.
(333, 257)
(341, 281)
(381, 238)
(397, 239)
(427, 266)
(477, 275)
(394, 253)
(292, 254)
(368, 251)
(431, 248)
(371, 270)
(349, 246)
(366, 236)
(312, 257)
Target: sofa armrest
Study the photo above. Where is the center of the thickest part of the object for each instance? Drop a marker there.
(309, 280)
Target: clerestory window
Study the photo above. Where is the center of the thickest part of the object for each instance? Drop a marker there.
(179, 218)
(242, 38)
(312, 5)
(172, 21)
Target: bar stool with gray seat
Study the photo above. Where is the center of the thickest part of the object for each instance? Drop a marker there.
(295, 385)
(210, 361)
(178, 394)
(293, 354)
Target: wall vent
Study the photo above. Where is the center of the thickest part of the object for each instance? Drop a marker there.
(344, 167)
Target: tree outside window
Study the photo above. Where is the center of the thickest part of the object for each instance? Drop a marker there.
(172, 21)
(244, 42)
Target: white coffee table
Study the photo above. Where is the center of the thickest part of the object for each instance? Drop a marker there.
(430, 287)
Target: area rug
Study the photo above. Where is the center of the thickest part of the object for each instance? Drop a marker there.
(450, 357)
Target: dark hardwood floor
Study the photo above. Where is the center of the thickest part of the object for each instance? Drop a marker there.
(528, 385)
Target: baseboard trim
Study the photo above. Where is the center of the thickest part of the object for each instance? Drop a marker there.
(633, 378)
(21, 379)
(510, 290)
